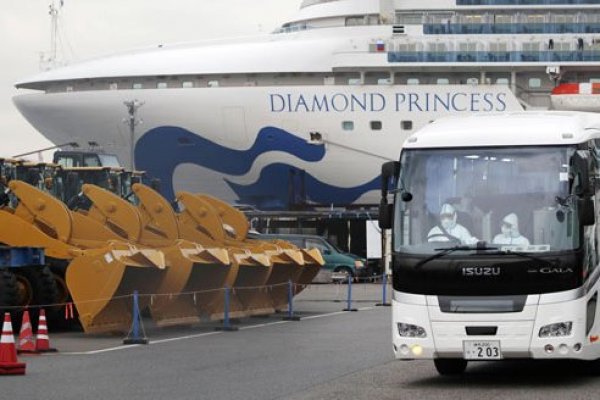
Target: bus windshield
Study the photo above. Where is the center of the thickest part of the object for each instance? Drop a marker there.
(515, 199)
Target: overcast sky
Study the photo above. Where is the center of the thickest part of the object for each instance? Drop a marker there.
(90, 28)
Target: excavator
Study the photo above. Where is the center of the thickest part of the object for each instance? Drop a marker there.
(107, 234)
(99, 269)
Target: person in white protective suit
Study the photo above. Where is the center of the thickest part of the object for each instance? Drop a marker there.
(510, 232)
(449, 230)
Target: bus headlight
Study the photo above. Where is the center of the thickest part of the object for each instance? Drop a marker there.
(556, 330)
(411, 331)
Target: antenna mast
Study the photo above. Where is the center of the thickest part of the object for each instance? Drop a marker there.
(48, 60)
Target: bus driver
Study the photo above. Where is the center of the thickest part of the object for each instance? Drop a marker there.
(449, 230)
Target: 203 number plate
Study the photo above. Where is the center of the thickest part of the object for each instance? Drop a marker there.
(482, 350)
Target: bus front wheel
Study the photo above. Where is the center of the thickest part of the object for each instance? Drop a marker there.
(450, 366)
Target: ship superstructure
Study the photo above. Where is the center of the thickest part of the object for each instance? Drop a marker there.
(305, 116)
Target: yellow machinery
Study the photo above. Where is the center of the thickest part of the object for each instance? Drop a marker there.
(192, 267)
(109, 247)
(101, 270)
(199, 222)
(236, 226)
(207, 216)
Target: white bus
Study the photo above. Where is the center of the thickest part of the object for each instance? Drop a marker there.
(495, 241)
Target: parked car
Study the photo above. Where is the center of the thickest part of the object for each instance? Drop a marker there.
(338, 264)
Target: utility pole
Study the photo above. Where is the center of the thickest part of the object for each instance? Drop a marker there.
(132, 120)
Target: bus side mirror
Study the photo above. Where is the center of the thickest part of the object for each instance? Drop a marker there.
(388, 170)
(580, 168)
(386, 211)
(586, 211)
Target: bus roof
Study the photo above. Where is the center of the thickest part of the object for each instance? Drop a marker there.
(529, 128)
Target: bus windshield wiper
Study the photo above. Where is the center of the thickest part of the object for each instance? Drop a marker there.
(527, 255)
(480, 246)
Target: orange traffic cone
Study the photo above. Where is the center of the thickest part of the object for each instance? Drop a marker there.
(26, 344)
(43, 341)
(9, 364)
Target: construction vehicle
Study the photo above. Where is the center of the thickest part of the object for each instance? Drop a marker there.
(25, 280)
(101, 225)
(259, 272)
(288, 257)
(195, 272)
(98, 269)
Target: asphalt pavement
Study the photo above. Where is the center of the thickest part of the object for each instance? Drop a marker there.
(329, 354)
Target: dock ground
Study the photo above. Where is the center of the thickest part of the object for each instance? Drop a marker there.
(329, 354)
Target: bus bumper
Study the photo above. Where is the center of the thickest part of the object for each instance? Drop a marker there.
(420, 330)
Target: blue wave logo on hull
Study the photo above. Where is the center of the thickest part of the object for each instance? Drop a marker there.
(161, 150)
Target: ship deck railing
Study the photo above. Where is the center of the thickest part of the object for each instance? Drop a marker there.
(513, 28)
(491, 56)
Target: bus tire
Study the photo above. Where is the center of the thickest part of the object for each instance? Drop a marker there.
(450, 366)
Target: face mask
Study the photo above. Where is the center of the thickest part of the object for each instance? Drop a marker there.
(447, 223)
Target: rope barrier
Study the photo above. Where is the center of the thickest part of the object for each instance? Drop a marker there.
(69, 313)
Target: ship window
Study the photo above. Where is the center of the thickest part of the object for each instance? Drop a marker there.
(467, 46)
(472, 81)
(535, 82)
(348, 125)
(354, 21)
(406, 125)
(412, 81)
(532, 46)
(502, 81)
(138, 85)
(213, 83)
(501, 46)
(161, 85)
(437, 47)
(376, 125)
(354, 81)
(113, 86)
(409, 19)
(443, 81)
(69, 88)
(187, 84)
(503, 18)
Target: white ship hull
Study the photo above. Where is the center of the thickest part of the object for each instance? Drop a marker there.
(251, 145)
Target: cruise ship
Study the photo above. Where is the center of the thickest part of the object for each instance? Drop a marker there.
(305, 116)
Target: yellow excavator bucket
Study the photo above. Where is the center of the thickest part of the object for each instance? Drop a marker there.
(313, 261)
(101, 283)
(195, 273)
(289, 262)
(102, 267)
(199, 222)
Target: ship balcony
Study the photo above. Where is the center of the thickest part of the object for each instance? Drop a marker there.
(490, 56)
(521, 28)
(523, 2)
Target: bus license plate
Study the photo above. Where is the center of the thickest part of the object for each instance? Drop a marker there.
(482, 350)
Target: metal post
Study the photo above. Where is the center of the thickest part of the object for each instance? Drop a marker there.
(132, 121)
(226, 322)
(349, 307)
(384, 302)
(135, 336)
(290, 316)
